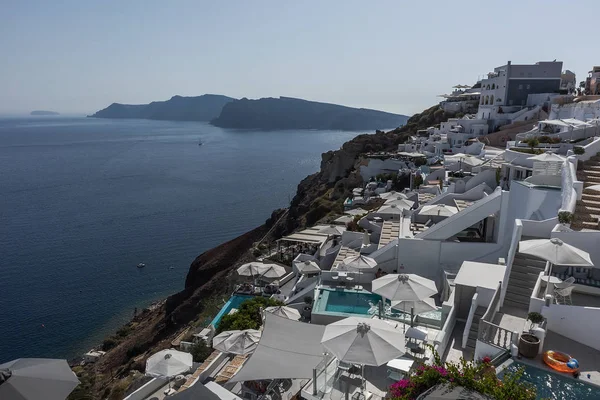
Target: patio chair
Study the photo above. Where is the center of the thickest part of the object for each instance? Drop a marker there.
(563, 296)
(565, 284)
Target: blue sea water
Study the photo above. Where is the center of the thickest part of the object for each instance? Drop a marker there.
(83, 201)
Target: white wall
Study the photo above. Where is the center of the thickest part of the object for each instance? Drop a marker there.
(485, 350)
(590, 149)
(581, 324)
(147, 389)
(533, 203)
(484, 296)
(585, 240)
(539, 229)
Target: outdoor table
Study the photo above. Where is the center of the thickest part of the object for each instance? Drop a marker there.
(551, 279)
(401, 364)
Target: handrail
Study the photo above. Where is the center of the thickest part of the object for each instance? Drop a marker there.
(469, 322)
(443, 336)
(495, 335)
(512, 252)
(494, 305)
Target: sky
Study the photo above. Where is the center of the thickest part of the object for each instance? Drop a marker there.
(75, 56)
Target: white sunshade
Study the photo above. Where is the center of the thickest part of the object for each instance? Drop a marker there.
(359, 262)
(332, 230)
(272, 271)
(168, 363)
(392, 209)
(356, 211)
(344, 219)
(287, 350)
(547, 157)
(36, 378)
(441, 210)
(393, 195)
(463, 159)
(399, 202)
(417, 306)
(363, 341)
(556, 122)
(404, 287)
(237, 342)
(556, 251)
(307, 267)
(285, 312)
(250, 269)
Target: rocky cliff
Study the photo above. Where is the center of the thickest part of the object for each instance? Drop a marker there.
(290, 113)
(177, 108)
(212, 272)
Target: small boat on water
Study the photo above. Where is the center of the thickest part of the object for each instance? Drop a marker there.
(141, 265)
(200, 143)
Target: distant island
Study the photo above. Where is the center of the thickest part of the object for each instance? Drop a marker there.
(43, 112)
(177, 108)
(292, 113)
(266, 113)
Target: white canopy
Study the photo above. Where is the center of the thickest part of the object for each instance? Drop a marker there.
(363, 341)
(287, 349)
(168, 363)
(332, 230)
(547, 157)
(237, 342)
(399, 202)
(392, 209)
(556, 122)
(284, 312)
(359, 262)
(344, 219)
(307, 267)
(393, 195)
(438, 210)
(404, 287)
(417, 306)
(272, 271)
(356, 211)
(556, 251)
(250, 269)
(464, 159)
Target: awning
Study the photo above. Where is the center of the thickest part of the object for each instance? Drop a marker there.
(556, 122)
(305, 238)
(287, 349)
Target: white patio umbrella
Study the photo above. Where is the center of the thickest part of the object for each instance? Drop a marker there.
(391, 209)
(556, 252)
(441, 210)
(359, 262)
(307, 267)
(363, 341)
(547, 157)
(285, 312)
(393, 195)
(399, 202)
(250, 269)
(356, 211)
(464, 159)
(404, 287)
(272, 271)
(168, 363)
(36, 378)
(332, 230)
(417, 306)
(237, 342)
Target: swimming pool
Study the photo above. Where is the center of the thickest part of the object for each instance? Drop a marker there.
(554, 386)
(233, 302)
(350, 302)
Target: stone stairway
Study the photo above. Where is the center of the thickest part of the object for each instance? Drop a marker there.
(523, 275)
(475, 328)
(587, 211)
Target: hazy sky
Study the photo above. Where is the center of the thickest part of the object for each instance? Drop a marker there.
(82, 55)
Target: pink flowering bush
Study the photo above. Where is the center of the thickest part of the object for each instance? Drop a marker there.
(474, 376)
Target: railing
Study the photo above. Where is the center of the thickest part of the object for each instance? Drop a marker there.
(495, 335)
(469, 322)
(443, 336)
(494, 305)
(514, 244)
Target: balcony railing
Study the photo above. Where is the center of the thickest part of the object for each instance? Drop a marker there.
(495, 335)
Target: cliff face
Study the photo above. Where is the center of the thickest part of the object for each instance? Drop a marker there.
(178, 108)
(290, 113)
(209, 274)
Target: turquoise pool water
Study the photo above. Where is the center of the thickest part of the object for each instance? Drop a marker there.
(554, 386)
(347, 302)
(233, 302)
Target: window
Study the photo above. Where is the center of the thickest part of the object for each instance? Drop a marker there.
(481, 131)
(520, 87)
(492, 99)
(493, 86)
(528, 86)
(488, 87)
(487, 99)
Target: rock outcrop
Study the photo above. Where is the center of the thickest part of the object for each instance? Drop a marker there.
(290, 113)
(178, 108)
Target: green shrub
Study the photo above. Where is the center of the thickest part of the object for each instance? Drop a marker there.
(565, 217)
(136, 350)
(200, 351)
(108, 344)
(578, 150)
(248, 315)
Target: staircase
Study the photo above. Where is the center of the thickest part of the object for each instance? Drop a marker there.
(587, 211)
(475, 328)
(523, 276)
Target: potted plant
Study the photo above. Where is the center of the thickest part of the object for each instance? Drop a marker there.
(565, 217)
(536, 319)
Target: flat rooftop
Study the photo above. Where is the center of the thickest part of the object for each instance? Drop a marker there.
(474, 274)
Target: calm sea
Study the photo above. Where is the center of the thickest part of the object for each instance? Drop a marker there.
(83, 201)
